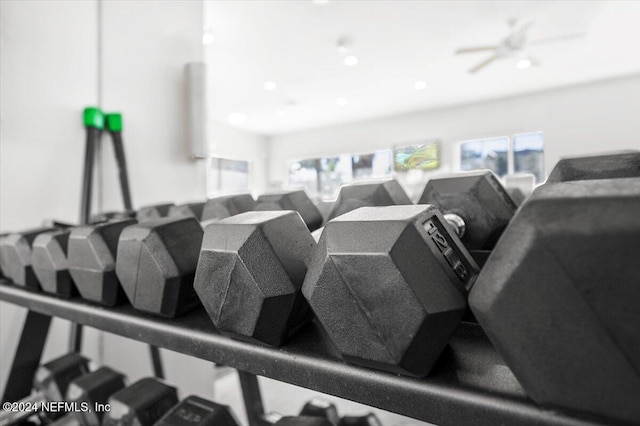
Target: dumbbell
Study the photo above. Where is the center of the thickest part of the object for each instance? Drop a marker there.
(112, 215)
(92, 261)
(50, 383)
(140, 404)
(475, 204)
(196, 411)
(89, 395)
(249, 274)
(353, 196)
(2, 262)
(157, 259)
(318, 407)
(294, 200)
(50, 263)
(152, 212)
(517, 196)
(302, 421)
(559, 295)
(376, 262)
(16, 257)
(187, 210)
(605, 166)
(228, 205)
(369, 419)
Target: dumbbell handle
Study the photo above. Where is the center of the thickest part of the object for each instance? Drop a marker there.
(67, 420)
(457, 223)
(8, 417)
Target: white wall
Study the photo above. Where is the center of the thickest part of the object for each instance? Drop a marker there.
(52, 65)
(576, 120)
(48, 71)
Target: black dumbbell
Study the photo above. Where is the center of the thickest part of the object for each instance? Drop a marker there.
(303, 421)
(294, 200)
(249, 274)
(187, 210)
(89, 396)
(228, 205)
(16, 257)
(318, 407)
(364, 420)
(376, 262)
(140, 404)
(155, 211)
(604, 166)
(196, 411)
(112, 215)
(559, 295)
(51, 382)
(51, 264)
(92, 261)
(475, 204)
(368, 194)
(156, 264)
(157, 259)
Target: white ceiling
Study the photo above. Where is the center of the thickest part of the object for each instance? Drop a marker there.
(293, 43)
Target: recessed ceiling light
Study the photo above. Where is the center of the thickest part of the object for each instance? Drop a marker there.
(523, 64)
(237, 118)
(350, 60)
(270, 85)
(420, 85)
(320, 2)
(341, 101)
(281, 112)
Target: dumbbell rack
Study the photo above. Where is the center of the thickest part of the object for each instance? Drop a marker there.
(470, 385)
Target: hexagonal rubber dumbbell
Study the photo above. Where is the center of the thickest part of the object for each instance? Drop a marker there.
(296, 200)
(196, 411)
(377, 262)
(92, 261)
(114, 215)
(156, 264)
(16, 256)
(318, 407)
(559, 296)
(475, 203)
(187, 210)
(51, 265)
(140, 404)
(228, 205)
(358, 195)
(249, 275)
(606, 166)
(153, 212)
(93, 388)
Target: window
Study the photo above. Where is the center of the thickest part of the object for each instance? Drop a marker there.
(528, 154)
(489, 153)
(520, 153)
(324, 176)
(224, 175)
(420, 156)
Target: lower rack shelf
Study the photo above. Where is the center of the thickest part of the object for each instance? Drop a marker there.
(470, 384)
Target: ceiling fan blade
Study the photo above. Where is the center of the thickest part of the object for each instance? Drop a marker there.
(555, 39)
(483, 64)
(475, 49)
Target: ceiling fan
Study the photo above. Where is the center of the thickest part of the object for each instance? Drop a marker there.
(514, 45)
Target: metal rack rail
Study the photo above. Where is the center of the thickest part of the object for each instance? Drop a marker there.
(469, 385)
